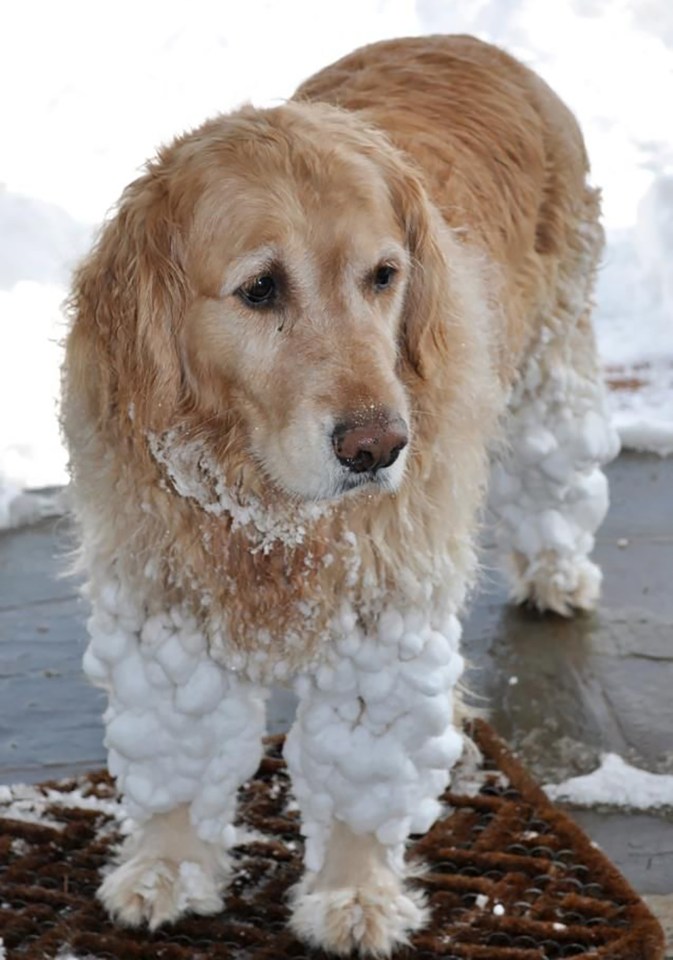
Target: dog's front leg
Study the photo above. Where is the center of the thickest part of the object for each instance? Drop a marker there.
(370, 753)
(182, 733)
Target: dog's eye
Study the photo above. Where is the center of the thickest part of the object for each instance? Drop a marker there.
(384, 276)
(259, 292)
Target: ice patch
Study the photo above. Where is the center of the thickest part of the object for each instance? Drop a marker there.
(616, 783)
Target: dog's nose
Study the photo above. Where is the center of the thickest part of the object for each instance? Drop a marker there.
(371, 446)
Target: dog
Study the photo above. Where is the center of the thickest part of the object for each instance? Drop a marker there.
(298, 350)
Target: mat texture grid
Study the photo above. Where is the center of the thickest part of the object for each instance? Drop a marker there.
(509, 877)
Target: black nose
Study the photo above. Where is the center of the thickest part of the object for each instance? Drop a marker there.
(369, 446)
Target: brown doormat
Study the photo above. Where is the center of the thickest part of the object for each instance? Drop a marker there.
(510, 877)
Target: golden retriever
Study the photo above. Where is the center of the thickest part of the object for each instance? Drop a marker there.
(294, 349)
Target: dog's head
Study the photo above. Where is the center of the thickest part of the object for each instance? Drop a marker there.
(275, 273)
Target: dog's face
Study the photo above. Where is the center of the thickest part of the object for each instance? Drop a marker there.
(276, 270)
(300, 278)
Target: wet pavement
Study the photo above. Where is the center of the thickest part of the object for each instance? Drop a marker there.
(561, 692)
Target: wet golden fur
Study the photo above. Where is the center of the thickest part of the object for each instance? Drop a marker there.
(445, 146)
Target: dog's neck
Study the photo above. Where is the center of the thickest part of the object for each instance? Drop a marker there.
(242, 498)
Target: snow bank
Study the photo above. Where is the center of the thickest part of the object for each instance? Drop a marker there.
(31, 454)
(615, 783)
(72, 143)
(634, 323)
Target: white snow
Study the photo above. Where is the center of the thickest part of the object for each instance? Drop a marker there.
(548, 491)
(376, 755)
(91, 99)
(179, 728)
(193, 473)
(182, 729)
(30, 804)
(616, 783)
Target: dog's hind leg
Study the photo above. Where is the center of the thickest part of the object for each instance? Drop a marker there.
(182, 735)
(548, 491)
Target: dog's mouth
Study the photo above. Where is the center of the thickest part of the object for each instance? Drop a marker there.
(338, 462)
(380, 480)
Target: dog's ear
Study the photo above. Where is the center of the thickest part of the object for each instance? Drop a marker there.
(427, 305)
(128, 300)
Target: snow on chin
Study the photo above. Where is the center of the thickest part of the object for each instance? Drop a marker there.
(374, 742)
(194, 474)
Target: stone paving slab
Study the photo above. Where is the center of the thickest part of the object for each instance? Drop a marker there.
(662, 908)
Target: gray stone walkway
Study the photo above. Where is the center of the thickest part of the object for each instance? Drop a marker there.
(582, 686)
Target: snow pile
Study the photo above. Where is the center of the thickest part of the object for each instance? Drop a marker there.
(70, 146)
(615, 783)
(635, 324)
(31, 454)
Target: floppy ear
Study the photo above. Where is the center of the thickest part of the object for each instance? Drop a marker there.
(427, 307)
(128, 300)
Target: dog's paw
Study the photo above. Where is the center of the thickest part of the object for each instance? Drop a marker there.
(559, 586)
(157, 891)
(370, 919)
